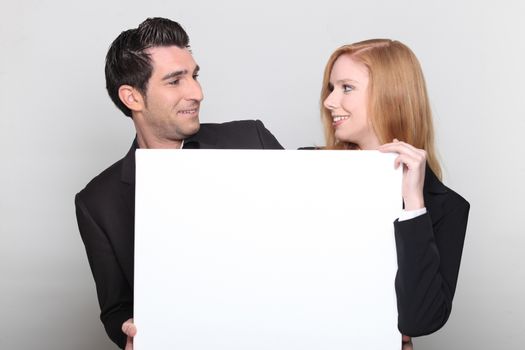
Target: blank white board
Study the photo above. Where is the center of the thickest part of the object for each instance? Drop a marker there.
(265, 249)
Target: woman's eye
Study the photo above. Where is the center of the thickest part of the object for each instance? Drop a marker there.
(347, 88)
(195, 76)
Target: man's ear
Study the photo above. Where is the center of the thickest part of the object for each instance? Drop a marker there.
(131, 98)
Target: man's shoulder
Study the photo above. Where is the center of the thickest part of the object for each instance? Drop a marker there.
(238, 134)
(104, 184)
(232, 126)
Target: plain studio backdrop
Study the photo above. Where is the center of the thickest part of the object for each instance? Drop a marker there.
(58, 129)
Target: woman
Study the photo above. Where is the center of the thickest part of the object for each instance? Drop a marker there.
(374, 97)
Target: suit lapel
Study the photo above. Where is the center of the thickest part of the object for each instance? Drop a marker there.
(433, 192)
(127, 195)
(432, 183)
(128, 165)
(204, 139)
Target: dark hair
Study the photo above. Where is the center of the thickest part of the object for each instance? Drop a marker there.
(128, 63)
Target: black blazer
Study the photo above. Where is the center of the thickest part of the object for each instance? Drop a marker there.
(429, 249)
(105, 211)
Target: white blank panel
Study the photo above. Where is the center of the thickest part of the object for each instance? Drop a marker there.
(265, 249)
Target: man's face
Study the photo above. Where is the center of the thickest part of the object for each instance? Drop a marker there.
(173, 96)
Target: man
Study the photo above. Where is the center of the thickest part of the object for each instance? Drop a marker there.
(152, 77)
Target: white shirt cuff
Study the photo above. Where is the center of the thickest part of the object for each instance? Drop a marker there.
(410, 214)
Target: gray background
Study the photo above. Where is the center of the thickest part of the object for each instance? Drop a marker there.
(263, 60)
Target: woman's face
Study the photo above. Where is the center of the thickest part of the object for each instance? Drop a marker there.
(348, 103)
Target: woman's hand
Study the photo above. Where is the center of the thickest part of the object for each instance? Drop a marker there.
(130, 330)
(414, 162)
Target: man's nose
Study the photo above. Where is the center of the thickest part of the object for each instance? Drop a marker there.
(194, 91)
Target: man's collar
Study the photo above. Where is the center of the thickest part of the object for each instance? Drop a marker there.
(203, 139)
(128, 164)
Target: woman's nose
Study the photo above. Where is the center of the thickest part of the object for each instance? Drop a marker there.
(330, 101)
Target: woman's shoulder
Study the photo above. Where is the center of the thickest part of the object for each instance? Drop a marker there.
(439, 195)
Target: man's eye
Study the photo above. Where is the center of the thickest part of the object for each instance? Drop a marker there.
(195, 76)
(347, 88)
(174, 82)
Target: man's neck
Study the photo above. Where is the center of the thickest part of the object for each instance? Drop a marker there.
(149, 140)
(153, 143)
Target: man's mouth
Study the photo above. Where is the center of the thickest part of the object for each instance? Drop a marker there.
(190, 112)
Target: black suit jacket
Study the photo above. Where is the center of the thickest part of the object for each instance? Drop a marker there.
(429, 249)
(105, 211)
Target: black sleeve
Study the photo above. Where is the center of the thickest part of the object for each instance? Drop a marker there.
(268, 141)
(428, 256)
(115, 296)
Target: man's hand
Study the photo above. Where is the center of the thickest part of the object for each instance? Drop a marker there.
(406, 343)
(130, 330)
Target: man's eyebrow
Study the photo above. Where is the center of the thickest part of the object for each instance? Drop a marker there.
(175, 74)
(180, 73)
